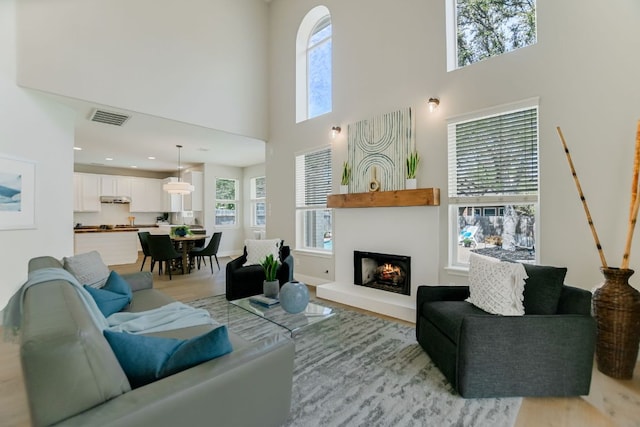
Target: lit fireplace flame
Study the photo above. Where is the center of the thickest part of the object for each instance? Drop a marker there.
(389, 271)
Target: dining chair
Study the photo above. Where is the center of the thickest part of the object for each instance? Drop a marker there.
(198, 244)
(162, 249)
(211, 250)
(144, 243)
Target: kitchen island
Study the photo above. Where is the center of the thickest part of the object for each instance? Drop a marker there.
(116, 245)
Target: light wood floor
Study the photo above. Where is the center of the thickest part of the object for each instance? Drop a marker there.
(535, 412)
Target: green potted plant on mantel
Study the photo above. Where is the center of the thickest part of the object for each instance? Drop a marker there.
(271, 286)
(412, 167)
(346, 177)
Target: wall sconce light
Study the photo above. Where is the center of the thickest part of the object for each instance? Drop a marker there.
(433, 104)
(335, 131)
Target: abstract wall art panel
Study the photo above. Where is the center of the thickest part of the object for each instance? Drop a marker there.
(378, 151)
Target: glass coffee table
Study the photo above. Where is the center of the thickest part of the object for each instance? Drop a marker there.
(294, 323)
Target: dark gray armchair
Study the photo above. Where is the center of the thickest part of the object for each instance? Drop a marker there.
(245, 281)
(486, 355)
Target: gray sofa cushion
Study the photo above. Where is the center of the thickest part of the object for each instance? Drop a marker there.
(542, 288)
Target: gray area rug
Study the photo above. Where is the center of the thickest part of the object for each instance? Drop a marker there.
(360, 370)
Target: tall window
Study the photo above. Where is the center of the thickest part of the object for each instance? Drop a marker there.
(313, 184)
(226, 202)
(313, 65)
(493, 184)
(258, 202)
(479, 29)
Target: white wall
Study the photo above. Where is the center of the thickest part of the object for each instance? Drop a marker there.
(197, 61)
(389, 55)
(37, 130)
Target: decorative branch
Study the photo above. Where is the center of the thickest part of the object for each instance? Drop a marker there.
(635, 201)
(584, 201)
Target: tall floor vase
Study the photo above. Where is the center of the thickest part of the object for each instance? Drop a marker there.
(616, 308)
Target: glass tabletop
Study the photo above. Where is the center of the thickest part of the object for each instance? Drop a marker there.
(314, 313)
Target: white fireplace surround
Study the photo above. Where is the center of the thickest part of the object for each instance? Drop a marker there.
(411, 231)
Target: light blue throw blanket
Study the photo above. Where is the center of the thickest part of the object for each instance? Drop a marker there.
(171, 316)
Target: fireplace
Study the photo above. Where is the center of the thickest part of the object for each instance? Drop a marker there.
(387, 272)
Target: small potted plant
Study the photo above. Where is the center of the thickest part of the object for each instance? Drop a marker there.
(346, 177)
(182, 231)
(412, 167)
(271, 285)
(466, 242)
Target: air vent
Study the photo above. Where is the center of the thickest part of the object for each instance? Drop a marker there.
(107, 117)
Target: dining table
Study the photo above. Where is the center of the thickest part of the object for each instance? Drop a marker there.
(186, 244)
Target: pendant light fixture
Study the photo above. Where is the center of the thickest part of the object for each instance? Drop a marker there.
(178, 187)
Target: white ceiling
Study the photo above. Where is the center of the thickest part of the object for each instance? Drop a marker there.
(144, 136)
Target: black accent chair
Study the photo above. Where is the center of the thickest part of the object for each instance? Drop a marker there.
(486, 355)
(144, 242)
(211, 250)
(162, 249)
(246, 281)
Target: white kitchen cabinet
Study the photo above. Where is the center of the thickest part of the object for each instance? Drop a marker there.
(114, 247)
(146, 195)
(86, 192)
(171, 202)
(195, 200)
(112, 185)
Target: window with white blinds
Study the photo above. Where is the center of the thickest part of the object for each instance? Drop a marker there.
(313, 178)
(313, 184)
(493, 183)
(495, 157)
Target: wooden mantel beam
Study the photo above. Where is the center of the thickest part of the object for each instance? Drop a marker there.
(376, 199)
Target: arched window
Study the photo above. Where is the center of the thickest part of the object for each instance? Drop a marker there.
(313, 65)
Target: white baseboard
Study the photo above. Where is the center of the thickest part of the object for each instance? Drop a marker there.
(387, 303)
(309, 280)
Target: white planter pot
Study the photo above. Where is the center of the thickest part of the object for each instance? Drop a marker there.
(411, 184)
(344, 189)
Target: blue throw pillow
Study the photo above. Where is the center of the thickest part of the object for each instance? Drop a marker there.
(145, 359)
(113, 296)
(115, 283)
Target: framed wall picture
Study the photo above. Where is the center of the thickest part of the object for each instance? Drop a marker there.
(17, 194)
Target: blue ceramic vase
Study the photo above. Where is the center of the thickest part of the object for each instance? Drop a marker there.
(294, 297)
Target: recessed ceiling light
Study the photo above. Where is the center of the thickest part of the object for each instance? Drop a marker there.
(108, 158)
(77, 148)
(151, 158)
(134, 166)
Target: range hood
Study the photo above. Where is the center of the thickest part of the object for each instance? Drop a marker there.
(115, 199)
